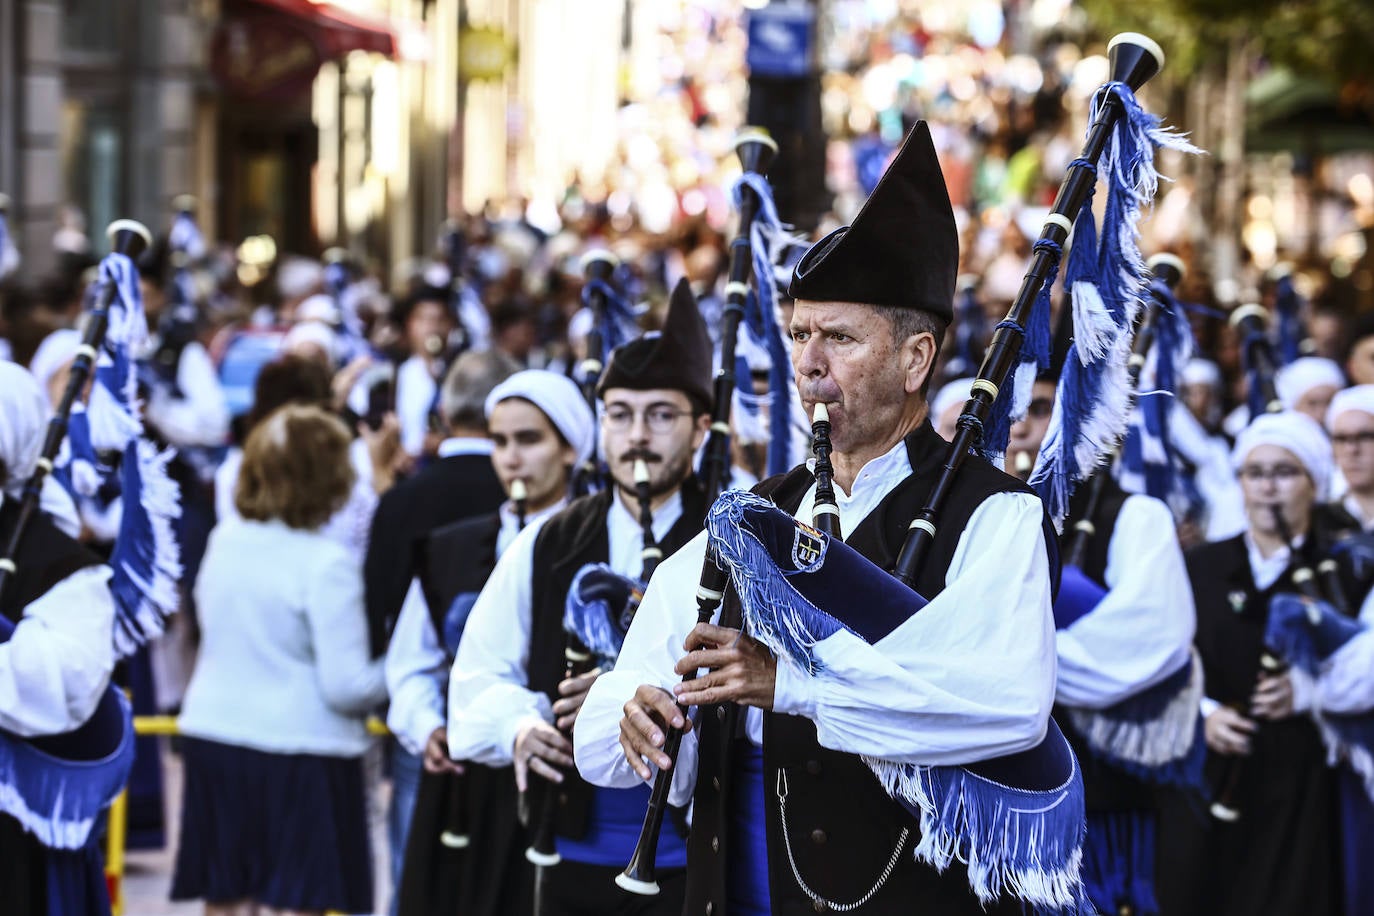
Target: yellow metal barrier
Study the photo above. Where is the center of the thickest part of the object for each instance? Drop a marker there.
(117, 832)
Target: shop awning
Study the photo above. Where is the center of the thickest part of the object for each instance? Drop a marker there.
(335, 31)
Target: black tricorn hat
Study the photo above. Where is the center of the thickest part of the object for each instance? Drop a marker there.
(902, 249)
(678, 358)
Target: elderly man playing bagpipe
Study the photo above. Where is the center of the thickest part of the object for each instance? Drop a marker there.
(855, 761)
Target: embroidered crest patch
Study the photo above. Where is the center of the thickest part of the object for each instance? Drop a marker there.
(808, 548)
(1237, 599)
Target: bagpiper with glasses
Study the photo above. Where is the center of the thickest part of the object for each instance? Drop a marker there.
(1270, 843)
(509, 699)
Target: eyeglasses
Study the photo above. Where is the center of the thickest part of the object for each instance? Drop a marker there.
(659, 418)
(1040, 408)
(1279, 473)
(1361, 438)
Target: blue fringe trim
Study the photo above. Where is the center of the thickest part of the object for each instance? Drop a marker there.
(1155, 735)
(775, 613)
(147, 558)
(601, 603)
(58, 796)
(1020, 842)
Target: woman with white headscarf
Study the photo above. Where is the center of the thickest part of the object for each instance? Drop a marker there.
(541, 428)
(56, 665)
(1281, 857)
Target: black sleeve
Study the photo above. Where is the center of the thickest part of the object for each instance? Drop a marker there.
(387, 568)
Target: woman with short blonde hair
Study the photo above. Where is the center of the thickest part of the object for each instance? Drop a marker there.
(273, 808)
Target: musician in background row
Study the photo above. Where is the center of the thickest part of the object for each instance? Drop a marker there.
(1281, 856)
(970, 677)
(508, 699)
(540, 427)
(1125, 625)
(1307, 385)
(460, 484)
(1350, 421)
(56, 665)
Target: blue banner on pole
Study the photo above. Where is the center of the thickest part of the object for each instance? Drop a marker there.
(781, 39)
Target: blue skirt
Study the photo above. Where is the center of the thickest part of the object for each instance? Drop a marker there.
(283, 830)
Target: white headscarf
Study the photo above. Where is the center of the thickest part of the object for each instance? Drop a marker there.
(1296, 432)
(950, 393)
(1201, 372)
(559, 399)
(312, 332)
(56, 351)
(1357, 397)
(1302, 375)
(23, 420)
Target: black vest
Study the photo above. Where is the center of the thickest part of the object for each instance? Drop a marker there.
(46, 556)
(491, 877)
(843, 826)
(567, 542)
(455, 559)
(1105, 787)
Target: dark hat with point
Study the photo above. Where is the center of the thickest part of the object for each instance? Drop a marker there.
(678, 358)
(902, 250)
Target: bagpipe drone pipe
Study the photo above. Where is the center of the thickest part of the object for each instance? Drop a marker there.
(756, 151)
(612, 324)
(59, 784)
(1017, 821)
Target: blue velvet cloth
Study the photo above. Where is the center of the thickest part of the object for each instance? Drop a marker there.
(747, 871)
(613, 831)
(1078, 595)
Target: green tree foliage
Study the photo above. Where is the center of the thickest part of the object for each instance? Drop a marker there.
(1331, 39)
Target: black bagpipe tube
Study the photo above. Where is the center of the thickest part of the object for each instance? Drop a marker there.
(1252, 323)
(456, 834)
(1226, 806)
(1134, 60)
(128, 238)
(1169, 270)
(756, 151)
(597, 265)
(639, 875)
(651, 554)
(543, 849)
(825, 515)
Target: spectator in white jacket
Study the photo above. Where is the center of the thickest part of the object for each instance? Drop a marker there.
(274, 810)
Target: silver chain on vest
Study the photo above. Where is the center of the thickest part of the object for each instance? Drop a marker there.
(796, 872)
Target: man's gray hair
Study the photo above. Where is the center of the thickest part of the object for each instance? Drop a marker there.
(910, 322)
(469, 380)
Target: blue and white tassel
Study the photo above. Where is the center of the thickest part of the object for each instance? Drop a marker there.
(1107, 280)
(147, 559)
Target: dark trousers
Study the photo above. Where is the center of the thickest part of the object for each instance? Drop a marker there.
(575, 889)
